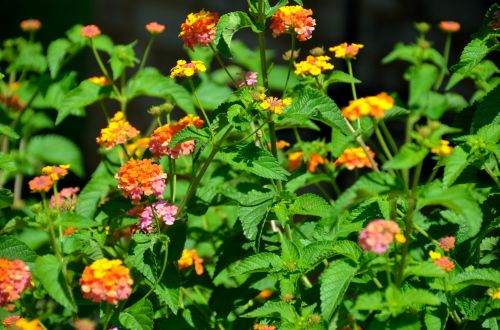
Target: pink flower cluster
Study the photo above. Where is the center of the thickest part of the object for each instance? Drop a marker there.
(162, 210)
(249, 79)
(15, 277)
(447, 243)
(66, 198)
(378, 235)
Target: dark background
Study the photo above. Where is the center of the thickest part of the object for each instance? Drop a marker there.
(378, 24)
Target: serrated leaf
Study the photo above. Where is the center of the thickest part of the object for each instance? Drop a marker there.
(478, 277)
(312, 104)
(316, 252)
(122, 57)
(12, 248)
(48, 272)
(62, 151)
(334, 283)
(168, 290)
(271, 308)
(138, 316)
(409, 155)
(190, 133)
(55, 55)
(310, 204)
(424, 269)
(472, 54)
(97, 188)
(454, 164)
(227, 26)
(6, 198)
(337, 76)
(252, 211)
(252, 159)
(487, 112)
(82, 243)
(421, 79)
(258, 263)
(150, 82)
(435, 318)
(8, 131)
(290, 253)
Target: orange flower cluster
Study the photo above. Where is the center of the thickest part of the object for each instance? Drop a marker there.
(106, 280)
(294, 19)
(56, 172)
(185, 69)
(443, 262)
(443, 150)
(314, 161)
(282, 144)
(199, 28)
(190, 258)
(15, 277)
(258, 326)
(155, 28)
(141, 177)
(13, 103)
(161, 137)
(449, 26)
(295, 160)
(274, 104)
(99, 80)
(118, 131)
(368, 106)
(90, 31)
(313, 65)
(345, 50)
(354, 158)
(31, 25)
(18, 323)
(447, 243)
(40, 184)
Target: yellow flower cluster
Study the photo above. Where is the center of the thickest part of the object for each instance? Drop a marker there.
(368, 106)
(274, 104)
(56, 172)
(313, 65)
(187, 69)
(443, 150)
(118, 131)
(346, 51)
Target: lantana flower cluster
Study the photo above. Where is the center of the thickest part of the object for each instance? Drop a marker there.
(162, 211)
(199, 28)
(293, 19)
(15, 277)
(187, 69)
(51, 174)
(443, 150)
(374, 106)
(274, 104)
(313, 65)
(189, 259)
(353, 158)
(345, 50)
(118, 131)
(106, 280)
(379, 234)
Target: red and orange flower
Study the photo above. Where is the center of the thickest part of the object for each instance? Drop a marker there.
(354, 158)
(199, 28)
(118, 131)
(293, 19)
(15, 277)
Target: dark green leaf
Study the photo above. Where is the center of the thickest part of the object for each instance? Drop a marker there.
(487, 111)
(139, 316)
(55, 55)
(122, 57)
(48, 272)
(310, 204)
(316, 252)
(6, 198)
(227, 26)
(258, 263)
(12, 248)
(97, 188)
(190, 133)
(454, 164)
(409, 155)
(8, 131)
(472, 54)
(271, 308)
(338, 76)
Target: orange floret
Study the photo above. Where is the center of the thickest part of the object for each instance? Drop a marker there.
(199, 28)
(345, 50)
(354, 158)
(294, 19)
(374, 106)
(118, 131)
(190, 258)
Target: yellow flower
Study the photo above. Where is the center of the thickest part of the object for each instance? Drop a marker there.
(434, 255)
(443, 150)
(99, 80)
(496, 294)
(374, 106)
(400, 238)
(118, 131)
(346, 51)
(187, 69)
(313, 65)
(56, 172)
(275, 104)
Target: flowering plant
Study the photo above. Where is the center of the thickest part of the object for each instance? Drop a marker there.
(207, 220)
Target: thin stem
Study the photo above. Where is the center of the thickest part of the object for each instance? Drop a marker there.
(362, 144)
(290, 63)
(426, 234)
(146, 53)
(446, 55)
(107, 317)
(163, 268)
(388, 136)
(191, 84)
(381, 140)
(416, 178)
(173, 178)
(221, 63)
(104, 71)
(353, 87)
(490, 172)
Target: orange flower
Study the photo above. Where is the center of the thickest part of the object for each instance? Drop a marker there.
(90, 31)
(190, 120)
(138, 147)
(23, 324)
(70, 230)
(56, 172)
(185, 69)
(190, 258)
(295, 160)
(313, 65)
(15, 277)
(449, 26)
(314, 161)
(84, 324)
(374, 106)
(141, 177)
(345, 50)
(106, 280)
(118, 131)
(264, 294)
(354, 158)
(199, 28)
(41, 183)
(99, 80)
(445, 263)
(281, 144)
(31, 25)
(13, 103)
(295, 19)
(258, 326)
(10, 320)
(275, 104)
(443, 150)
(155, 28)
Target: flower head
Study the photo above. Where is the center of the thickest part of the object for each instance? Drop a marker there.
(99, 80)
(368, 106)
(56, 172)
(66, 198)
(15, 277)
(345, 50)
(282, 144)
(138, 147)
(141, 177)
(249, 79)
(447, 243)
(106, 280)
(295, 160)
(443, 150)
(445, 263)
(13, 103)
(187, 69)
(23, 324)
(354, 158)
(118, 131)
(314, 161)
(199, 28)
(155, 28)
(84, 324)
(41, 183)
(275, 104)
(10, 320)
(162, 210)
(495, 294)
(286, 55)
(31, 25)
(434, 255)
(449, 26)
(264, 294)
(294, 19)
(258, 326)
(90, 31)
(378, 235)
(313, 65)
(190, 258)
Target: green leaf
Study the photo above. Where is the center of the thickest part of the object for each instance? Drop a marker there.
(424, 269)
(48, 271)
(338, 76)
(454, 164)
(421, 79)
(8, 131)
(211, 94)
(62, 151)
(334, 283)
(150, 82)
(190, 133)
(290, 253)
(277, 78)
(310, 204)
(7, 162)
(82, 243)
(471, 56)
(6, 198)
(227, 26)
(56, 52)
(271, 308)
(477, 277)
(435, 318)
(30, 58)
(78, 98)
(258, 263)
(316, 252)
(122, 57)
(312, 104)
(252, 211)
(487, 111)
(409, 155)
(12, 248)
(138, 316)
(97, 188)
(407, 53)
(168, 291)
(253, 159)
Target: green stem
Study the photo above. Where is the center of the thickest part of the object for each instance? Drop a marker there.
(388, 136)
(221, 63)
(426, 234)
(104, 71)
(362, 144)
(490, 173)
(146, 53)
(446, 55)
(163, 268)
(191, 84)
(381, 140)
(107, 317)
(173, 178)
(290, 63)
(353, 87)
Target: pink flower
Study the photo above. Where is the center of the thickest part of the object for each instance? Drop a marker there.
(445, 263)
(447, 243)
(155, 28)
(15, 277)
(90, 31)
(66, 198)
(249, 80)
(378, 235)
(162, 210)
